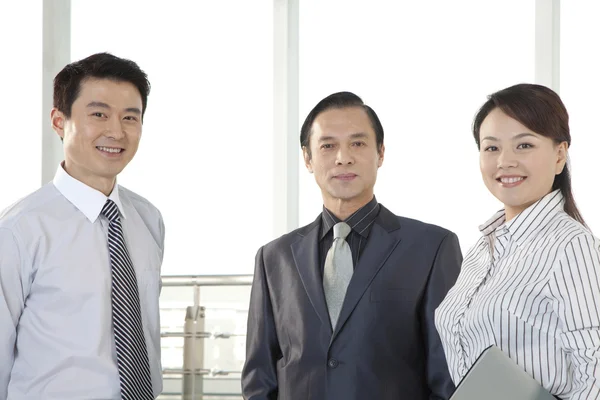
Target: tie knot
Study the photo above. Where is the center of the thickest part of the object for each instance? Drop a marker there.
(110, 211)
(341, 230)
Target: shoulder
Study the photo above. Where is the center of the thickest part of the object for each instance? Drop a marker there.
(39, 203)
(143, 206)
(421, 231)
(573, 239)
(150, 216)
(563, 225)
(285, 241)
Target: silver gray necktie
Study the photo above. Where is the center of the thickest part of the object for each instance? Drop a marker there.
(338, 271)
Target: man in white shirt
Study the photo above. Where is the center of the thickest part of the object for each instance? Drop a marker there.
(80, 258)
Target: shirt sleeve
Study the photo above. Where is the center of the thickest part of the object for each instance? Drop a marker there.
(12, 303)
(161, 227)
(575, 287)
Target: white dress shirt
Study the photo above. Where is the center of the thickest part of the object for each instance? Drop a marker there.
(530, 286)
(56, 336)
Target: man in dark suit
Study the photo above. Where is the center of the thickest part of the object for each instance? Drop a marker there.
(343, 308)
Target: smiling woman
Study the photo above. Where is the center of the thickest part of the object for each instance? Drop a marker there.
(530, 284)
(511, 160)
(523, 136)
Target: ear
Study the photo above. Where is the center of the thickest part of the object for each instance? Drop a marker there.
(562, 155)
(381, 154)
(307, 159)
(58, 119)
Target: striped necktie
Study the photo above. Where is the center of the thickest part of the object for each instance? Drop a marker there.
(132, 356)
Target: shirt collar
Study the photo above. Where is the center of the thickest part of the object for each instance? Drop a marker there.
(527, 223)
(86, 199)
(360, 222)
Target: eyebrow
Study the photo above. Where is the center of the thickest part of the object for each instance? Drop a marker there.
(517, 137)
(353, 136)
(100, 104)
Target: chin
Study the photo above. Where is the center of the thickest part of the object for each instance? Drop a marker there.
(344, 195)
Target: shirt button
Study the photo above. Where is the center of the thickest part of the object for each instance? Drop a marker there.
(332, 363)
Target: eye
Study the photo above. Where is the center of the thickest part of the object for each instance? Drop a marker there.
(327, 146)
(99, 114)
(358, 144)
(130, 118)
(525, 146)
(491, 148)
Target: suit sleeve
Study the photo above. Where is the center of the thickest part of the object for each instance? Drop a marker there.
(443, 275)
(11, 305)
(259, 375)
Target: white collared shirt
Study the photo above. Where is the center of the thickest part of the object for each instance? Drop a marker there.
(56, 336)
(530, 286)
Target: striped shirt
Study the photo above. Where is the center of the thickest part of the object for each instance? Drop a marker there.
(530, 286)
(361, 223)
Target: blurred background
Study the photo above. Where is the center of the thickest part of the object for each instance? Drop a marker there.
(232, 81)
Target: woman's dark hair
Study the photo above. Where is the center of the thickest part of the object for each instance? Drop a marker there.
(541, 110)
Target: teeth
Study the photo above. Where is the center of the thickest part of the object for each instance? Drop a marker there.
(109, 149)
(511, 180)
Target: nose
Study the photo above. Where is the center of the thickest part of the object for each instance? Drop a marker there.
(344, 157)
(115, 130)
(507, 159)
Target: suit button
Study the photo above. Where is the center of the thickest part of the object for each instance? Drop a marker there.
(332, 363)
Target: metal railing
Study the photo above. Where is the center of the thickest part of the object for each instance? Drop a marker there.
(195, 378)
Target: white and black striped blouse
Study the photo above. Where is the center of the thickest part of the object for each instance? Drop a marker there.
(530, 286)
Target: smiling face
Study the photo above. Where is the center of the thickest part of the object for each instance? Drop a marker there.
(518, 165)
(102, 134)
(344, 156)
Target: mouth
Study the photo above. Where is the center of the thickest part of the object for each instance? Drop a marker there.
(511, 181)
(345, 177)
(111, 151)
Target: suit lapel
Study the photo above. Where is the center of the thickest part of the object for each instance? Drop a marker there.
(380, 245)
(306, 257)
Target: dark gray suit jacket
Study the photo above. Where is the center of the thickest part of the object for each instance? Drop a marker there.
(385, 345)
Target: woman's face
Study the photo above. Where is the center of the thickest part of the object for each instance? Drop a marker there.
(518, 165)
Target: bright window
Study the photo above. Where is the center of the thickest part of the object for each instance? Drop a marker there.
(21, 100)
(580, 91)
(205, 159)
(425, 67)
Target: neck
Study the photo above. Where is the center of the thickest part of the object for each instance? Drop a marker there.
(343, 208)
(509, 214)
(101, 184)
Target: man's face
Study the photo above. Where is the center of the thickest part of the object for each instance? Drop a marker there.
(102, 134)
(343, 155)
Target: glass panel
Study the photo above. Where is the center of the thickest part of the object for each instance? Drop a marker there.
(206, 153)
(221, 339)
(21, 100)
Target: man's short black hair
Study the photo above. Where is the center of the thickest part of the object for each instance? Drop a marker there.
(67, 83)
(339, 100)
